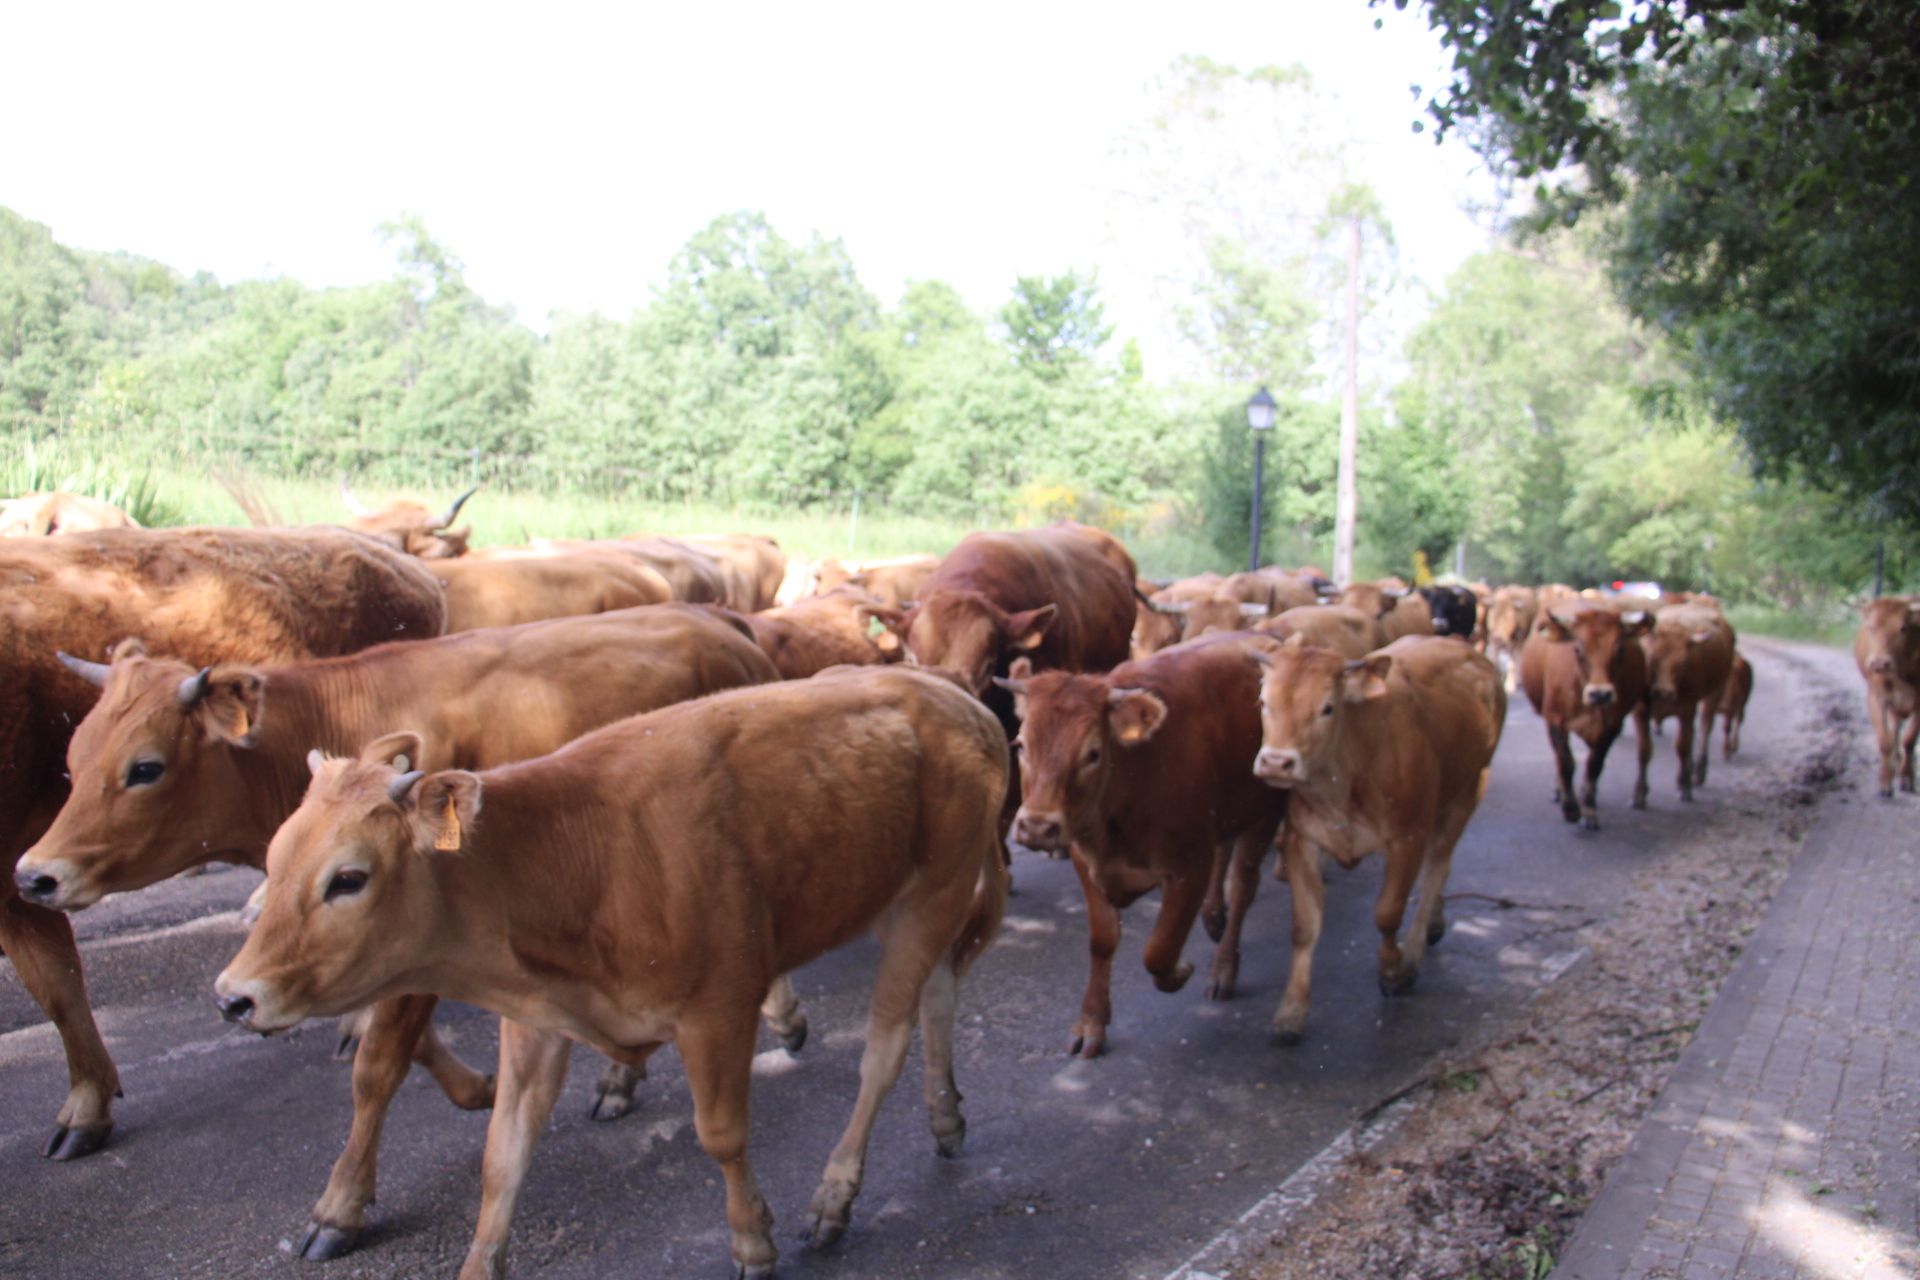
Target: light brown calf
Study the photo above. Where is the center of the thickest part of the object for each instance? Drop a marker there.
(1732, 703)
(1887, 651)
(895, 582)
(1510, 615)
(1585, 673)
(1386, 754)
(408, 526)
(758, 563)
(830, 630)
(173, 769)
(1689, 661)
(654, 922)
(508, 592)
(1141, 774)
(1402, 612)
(1342, 628)
(45, 515)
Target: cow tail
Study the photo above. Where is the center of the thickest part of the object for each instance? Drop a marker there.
(989, 907)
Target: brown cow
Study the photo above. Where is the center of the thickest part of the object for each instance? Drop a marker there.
(1402, 612)
(654, 922)
(758, 563)
(212, 595)
(408, 526)
(226, 753)
(830, 630)
(1389, 754)
(1055, 595)
(1509, 621)
(1277, 589)
(694, 576)
(45, 515)
(503, 592)
(1887, 651)
(1342, 628)
(1689, 660)
(1154, 626)
(896, 582)
(1141, 775)
(1216, 613)
(1732, 703)
(1585, 673)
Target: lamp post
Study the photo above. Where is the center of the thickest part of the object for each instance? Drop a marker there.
(1260, 412)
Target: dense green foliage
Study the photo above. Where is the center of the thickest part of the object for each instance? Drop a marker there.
(1756, 161)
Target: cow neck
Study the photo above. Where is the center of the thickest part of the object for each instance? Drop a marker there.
(308, 706)
(518, 902)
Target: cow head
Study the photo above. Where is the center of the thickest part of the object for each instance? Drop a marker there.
(968, 634)
(1597, 636)
(1372, 598)
(1070, 728)
(880, 623)
(1889, 641)
(352, 899)
(1667, 647)
(410, 526)
(1211, 616)
(155, 785)
(1305, 696)
(1509, 616)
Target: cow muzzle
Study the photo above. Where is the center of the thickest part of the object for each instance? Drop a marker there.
(1279, 767)
(1042, 831)
(1599, 695)
(1880, 665)
(45, 885)
(241, 1004)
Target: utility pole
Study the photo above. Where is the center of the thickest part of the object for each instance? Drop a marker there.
(1349, 497)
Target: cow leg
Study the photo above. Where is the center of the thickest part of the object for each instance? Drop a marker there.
(717, 1049)
(1301, 862)
(1643, 750)
(1731, 720)
(1907, 742)
(1429, 916)
(1213, 911)
(533, 1067)
(388, 1037)
(1103, 939)
(1596, 761)
(1563, 756)
(1683, 748)
(937, 1000)
(1705, 739)
(782, 1014)
(465, 1088)
(1886, 733)
(1248, 850)
(913, 944)
(1397, 971)
(1179, 905)
(40, 944)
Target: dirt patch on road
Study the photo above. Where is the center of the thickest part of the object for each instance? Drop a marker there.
(1510, 1139)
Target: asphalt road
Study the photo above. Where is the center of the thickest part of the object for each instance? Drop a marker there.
(1119, 1167)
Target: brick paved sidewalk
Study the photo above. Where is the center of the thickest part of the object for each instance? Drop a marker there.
(1787, 1143)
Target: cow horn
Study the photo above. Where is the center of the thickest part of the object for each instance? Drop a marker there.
(354, 504)
(194, 687)
(1635, 618)
(403, 783)
(94, 673)
(454, 511)
(1177, 608)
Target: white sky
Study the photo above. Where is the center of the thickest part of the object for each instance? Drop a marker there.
(565, 151)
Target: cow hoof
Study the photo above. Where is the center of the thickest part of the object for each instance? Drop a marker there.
(323, 1243)
(795, 1039)
(348, 1046)
(1639, 801)
(1220, 989)
(1088, 1047)
(72, 1142)
(1400, 985)
(950, 1145)
(1589, 822)
(1435, 932)
(826, 1233)
(1906, 785)
(1571, 815)
(1173, 981)
(610, 1104)
(751, 1271)
(1215, 923)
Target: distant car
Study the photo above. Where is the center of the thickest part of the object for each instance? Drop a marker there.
(1645, 590)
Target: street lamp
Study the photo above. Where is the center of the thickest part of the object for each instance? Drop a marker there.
(1260, 412)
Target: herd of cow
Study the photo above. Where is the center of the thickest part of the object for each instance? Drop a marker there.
(617, 790)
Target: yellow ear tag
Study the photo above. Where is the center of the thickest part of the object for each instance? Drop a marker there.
(448, 841)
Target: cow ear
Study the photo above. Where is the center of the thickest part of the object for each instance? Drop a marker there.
(1015, 683)
(444, 808)
(131, 647)
(1639, 622)
(231, 708)
(1553, 626)
(398, 751)
(1297, 640)
(1134, 715)
(315, 758)
(1028, 629)
(1366, 678)
(882, 625)
(1253, 610)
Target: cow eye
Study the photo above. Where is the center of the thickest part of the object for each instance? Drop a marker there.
(144, 773)
(1579, 650)
(1328, 709)
(1093, 755)
(345, 883)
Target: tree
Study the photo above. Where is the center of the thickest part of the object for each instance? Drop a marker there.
(1758, 158)
(1054, 322)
